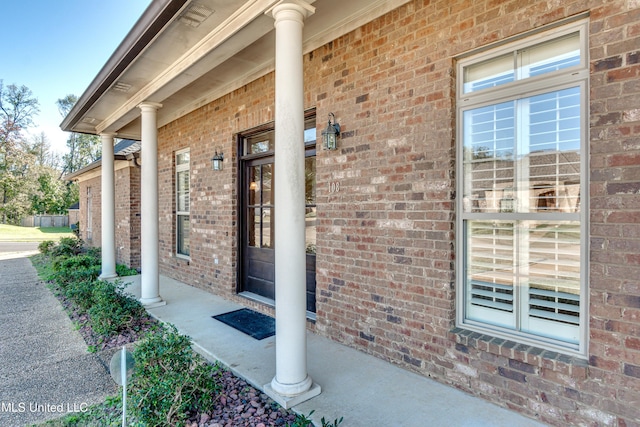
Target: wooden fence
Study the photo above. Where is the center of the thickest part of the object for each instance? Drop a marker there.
(45, 221)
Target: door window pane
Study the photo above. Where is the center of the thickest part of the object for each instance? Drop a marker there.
(260, 206)
(310, 204)
(267, 228)
(254, 190)
(260, 143)
(267, 184)
(310, 180)
(253, 227)
(310, 230)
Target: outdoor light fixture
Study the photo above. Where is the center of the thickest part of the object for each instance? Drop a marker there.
(330, 134)
(216, 161)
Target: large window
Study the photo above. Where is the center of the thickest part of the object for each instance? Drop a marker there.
(522, 153)
(182, 203)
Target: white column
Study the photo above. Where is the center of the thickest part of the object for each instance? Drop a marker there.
(108, 208)
(150, 278)
(291, 384)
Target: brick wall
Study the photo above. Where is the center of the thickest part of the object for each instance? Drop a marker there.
(214, 195)
(95, 237)
(74, 216)
(127, 218)
(127, 202)
(385, 245)
(614, 362)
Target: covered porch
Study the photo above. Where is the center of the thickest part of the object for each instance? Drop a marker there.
(365, 390)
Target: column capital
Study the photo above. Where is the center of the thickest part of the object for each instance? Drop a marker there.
(150, 106)
(300, 6)
(108, 134)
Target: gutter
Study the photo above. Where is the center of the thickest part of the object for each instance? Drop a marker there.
(133, 157)
(95, 165)
(153, 20)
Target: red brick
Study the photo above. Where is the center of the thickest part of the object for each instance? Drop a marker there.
(384, 270)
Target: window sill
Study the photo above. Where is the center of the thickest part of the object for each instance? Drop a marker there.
(184, 258)
(525, 357)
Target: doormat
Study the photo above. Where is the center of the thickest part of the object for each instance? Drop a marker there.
(252, 323)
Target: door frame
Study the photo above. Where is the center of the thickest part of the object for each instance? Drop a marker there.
(241, 178)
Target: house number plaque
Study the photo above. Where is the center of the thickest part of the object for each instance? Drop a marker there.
(334, 186)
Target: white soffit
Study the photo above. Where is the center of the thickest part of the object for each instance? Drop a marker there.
(188, 66)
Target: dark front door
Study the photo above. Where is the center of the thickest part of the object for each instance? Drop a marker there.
(258, 251)
(258, 212)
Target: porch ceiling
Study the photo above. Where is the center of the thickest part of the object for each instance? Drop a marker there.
(168, 58)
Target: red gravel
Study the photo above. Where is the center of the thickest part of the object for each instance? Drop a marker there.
(240, 405)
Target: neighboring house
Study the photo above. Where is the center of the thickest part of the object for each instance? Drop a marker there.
(127, 202)
(476, 224)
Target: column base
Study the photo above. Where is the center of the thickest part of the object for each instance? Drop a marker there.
(152, 302)
(108, 276)
(287, 402)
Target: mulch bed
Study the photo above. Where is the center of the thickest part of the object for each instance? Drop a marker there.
(238, 403)
(139, 327)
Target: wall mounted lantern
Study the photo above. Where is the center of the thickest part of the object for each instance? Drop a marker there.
(330, 134)
(216, 161)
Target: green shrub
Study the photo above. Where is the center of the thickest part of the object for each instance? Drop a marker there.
(93, 252)
(123, 270)
(73, 269)
(170, 380)
(68, 246)
(305, 421)
(46, 247)
(112, 311)
(81, 293)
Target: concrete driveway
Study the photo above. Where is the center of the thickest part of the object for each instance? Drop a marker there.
(45, 369)
(18, 247)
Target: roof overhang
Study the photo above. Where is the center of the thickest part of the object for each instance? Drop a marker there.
(187, 53)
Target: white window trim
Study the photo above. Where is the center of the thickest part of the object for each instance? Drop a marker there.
(181, 168)
(569, 77)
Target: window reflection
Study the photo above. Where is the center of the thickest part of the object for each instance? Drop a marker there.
(539, 171)
(310, 204)
(260, 206)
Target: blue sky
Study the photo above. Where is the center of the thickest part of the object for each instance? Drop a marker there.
(57, 47)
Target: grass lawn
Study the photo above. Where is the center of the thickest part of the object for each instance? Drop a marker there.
(13, 233)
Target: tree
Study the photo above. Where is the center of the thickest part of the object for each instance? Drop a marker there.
(66, 104)
(83, 149)
(49, 193)
(17, 110)
(41, 149)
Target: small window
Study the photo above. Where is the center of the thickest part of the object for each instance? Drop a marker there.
(182, 203)
(522, 165)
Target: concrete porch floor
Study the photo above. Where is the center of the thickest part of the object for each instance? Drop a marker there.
(366, 391)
